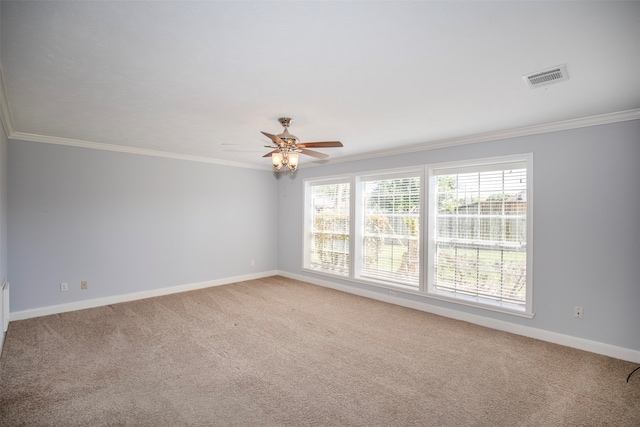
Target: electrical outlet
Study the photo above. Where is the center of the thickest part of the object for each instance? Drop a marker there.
(84, 285)
(64, 287)
(253, 263)
(577, 312)
(392, 293)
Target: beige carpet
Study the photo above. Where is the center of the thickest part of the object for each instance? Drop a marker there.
(277, 352)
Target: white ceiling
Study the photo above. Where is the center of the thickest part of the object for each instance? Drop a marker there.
(184, 78)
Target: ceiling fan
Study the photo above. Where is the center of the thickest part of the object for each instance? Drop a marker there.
(287, 146)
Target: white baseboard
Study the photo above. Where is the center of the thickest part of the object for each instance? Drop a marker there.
(99, 302)
(527, 331)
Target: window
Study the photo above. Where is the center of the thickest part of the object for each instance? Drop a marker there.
(478, 227)
(388, 229)
(327, 226)
(456, 231)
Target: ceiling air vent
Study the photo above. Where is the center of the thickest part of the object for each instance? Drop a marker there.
(546, 77)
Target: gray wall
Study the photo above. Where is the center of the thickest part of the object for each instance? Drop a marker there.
(586, 231)
(128, 223)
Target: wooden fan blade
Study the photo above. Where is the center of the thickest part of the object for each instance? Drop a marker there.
(314, 153)
(324, 144)
(275, 138)
(269, 154)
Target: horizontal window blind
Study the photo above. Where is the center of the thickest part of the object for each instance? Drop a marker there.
(469, 222)
(480, 233)
(330, 216)
(390, 229)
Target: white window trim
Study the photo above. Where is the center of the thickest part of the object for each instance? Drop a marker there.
(460, 166)
(426, 263)
(360, 179)
(306, 240)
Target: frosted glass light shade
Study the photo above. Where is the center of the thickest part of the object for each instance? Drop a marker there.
(276, 159)
(293, 161)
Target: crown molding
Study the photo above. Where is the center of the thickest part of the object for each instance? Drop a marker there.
(21, 136)
(5, 112)
(601, 119)
(7, 121)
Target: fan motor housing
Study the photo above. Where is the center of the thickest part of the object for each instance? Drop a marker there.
(290, 139)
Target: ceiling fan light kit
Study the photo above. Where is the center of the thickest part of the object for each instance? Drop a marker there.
(287, 146)
(279, 160)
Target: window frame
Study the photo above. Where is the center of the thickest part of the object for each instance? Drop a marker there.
(360, 180)
(426, 254)
(308, 223)
(484, 164)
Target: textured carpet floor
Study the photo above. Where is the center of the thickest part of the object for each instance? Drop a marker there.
(277, 352)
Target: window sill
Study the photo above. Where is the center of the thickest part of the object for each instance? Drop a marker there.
(480, 303)
(442, 296)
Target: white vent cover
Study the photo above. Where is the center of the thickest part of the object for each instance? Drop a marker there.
(546, 77)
